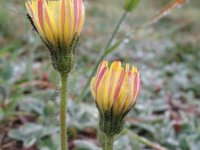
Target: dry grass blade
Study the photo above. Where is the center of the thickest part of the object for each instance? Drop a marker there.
(165, 11)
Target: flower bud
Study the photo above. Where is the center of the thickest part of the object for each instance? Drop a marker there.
(58, 23)
(129, 5)
(115, 90)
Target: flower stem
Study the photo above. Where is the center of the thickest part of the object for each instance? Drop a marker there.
(103, 54)
(116, 29)
(63, 111)
(109, 142)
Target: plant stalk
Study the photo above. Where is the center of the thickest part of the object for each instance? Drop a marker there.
(63, 112)
(109, 142)
(116, 29)
(143, 140)
(104, 53)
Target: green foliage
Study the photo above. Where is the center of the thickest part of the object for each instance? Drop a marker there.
(30, 133)
(85, 145)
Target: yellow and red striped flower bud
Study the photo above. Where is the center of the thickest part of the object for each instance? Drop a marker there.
(57, 21)
(115, 90)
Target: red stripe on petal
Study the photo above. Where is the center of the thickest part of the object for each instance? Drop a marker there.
(136, 86)
(112, 78)
(99, 69)
(100, 78)
(139, 85)
(49, 23)
(40, 13)
(119, 84)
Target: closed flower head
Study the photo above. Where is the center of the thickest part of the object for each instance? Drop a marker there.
(58, 23)
(115, 90)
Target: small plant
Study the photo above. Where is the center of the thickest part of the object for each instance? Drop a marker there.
(115, 90)
(59, 29)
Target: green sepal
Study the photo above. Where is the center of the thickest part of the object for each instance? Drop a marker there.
(101, 137)
(63, 57)
(111, 125)
(129, 5)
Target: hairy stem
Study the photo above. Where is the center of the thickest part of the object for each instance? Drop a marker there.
(109, 142)
(63, 111)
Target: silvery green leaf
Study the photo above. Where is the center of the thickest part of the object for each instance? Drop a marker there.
(122, 143)
(30, 104)
(85, 145)
(30, 133)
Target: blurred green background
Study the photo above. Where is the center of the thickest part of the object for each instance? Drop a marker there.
(167, 54)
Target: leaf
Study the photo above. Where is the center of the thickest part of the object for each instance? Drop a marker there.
(30, 104)
(30, 133)
(122, 143)
(85, 145)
